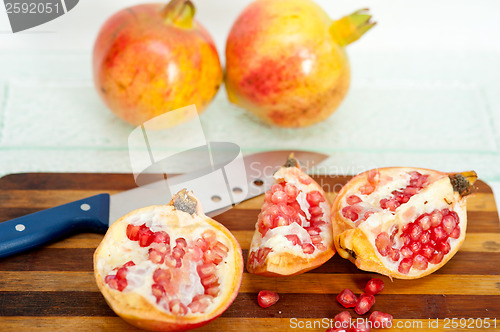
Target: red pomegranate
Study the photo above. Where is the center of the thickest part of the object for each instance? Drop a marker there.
(169, 267)
(401, 222)
(293, 232)
(154, 58)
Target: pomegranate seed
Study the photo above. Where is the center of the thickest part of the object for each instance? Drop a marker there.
(279, 197)
(162, 276)
(332, 329)
(262, 254)
(449, 224)
(220, 249)
(383, 243)
(133, 232)
(158, 291)
(313, 230)
(314, 198)
(359, 326)
(415, 247)
(111, 281)
(436, 258)
(293, 238)
(368, 214)
(353, 199)
(406, 252)
(456, 233)
(121, 273)
(438, 234)
(425, 223)
(205, 270)
(122, 284)
(436, 218)
(291, 191)
(282, 221)
(178, 252)
(415, 232)
(181, 243)
(444, 247)
(427, 252)
(347, 298)
(349, 213)
(128, 264)
(392, 204)
(209, 236)
(425, 238)
(267, 298)
(156, 256)
(305, 180)
(209, 280)
(374, 286)
(367, 189)
(315, 211)
(212, 291)
(211, 256)
(145, 237)
(373, 176)
(287, 210)
(342, 319)
(202, 244)
(383, 203)
(315, 239)
(381, 320)
(366, 301)
(177, 308)
(410, 191)
(405, 265)
(276, 188)
(307, 248)
(161, 237)
(420, 262)
(172, 261)
(405, 238)
(394, 255)
(200, 303)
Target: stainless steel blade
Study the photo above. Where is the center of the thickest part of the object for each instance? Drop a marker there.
(258, 168)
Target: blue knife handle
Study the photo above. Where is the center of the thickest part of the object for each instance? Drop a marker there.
(86, 215)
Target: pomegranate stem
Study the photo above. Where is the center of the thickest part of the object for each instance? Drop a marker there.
(180, 13)
(183, 201)
(462, 182)
(351, 27)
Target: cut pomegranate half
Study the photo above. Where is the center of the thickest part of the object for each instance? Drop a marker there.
(293, 232)
(168, 267)
(404, 223)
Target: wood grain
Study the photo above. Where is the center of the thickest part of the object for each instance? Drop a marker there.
(52, 288)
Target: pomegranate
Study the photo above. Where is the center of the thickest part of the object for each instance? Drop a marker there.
(342, 320)
(365, 302)
(285, 60)
(168, 267)
(374, 286)
(401, 222)
(380, 320)
(152, 58)
(293, 231)
(267, 298)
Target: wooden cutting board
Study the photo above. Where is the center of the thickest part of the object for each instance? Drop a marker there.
(53, 289)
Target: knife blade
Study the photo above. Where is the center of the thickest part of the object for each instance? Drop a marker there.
(97, 213)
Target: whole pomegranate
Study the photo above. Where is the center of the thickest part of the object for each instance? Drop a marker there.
(401, 222)
(293, 233)
(285, 60)
(169, 267)
(152, 58)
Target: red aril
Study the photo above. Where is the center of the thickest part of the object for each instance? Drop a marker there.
(267, 298)
(293, 233)
(360, 325)
(365, 302)
(374, 286)
(172, 269)
(342, 320)
(347, 298)
(408, 226)
(380, 320)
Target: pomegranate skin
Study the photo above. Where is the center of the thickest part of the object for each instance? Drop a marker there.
(146, 63)
(382, 241)
(283, 63)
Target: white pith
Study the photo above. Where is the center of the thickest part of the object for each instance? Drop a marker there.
(275, 237)
(118, 249)
(438, 193)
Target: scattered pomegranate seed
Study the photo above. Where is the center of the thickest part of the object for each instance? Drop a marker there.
(380, 320)
(374, 286)
(360, 326)
(366, 301)
(342, 319)
(347, 298)
(267, 298)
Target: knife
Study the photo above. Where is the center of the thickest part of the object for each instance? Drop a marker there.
(96, 213)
